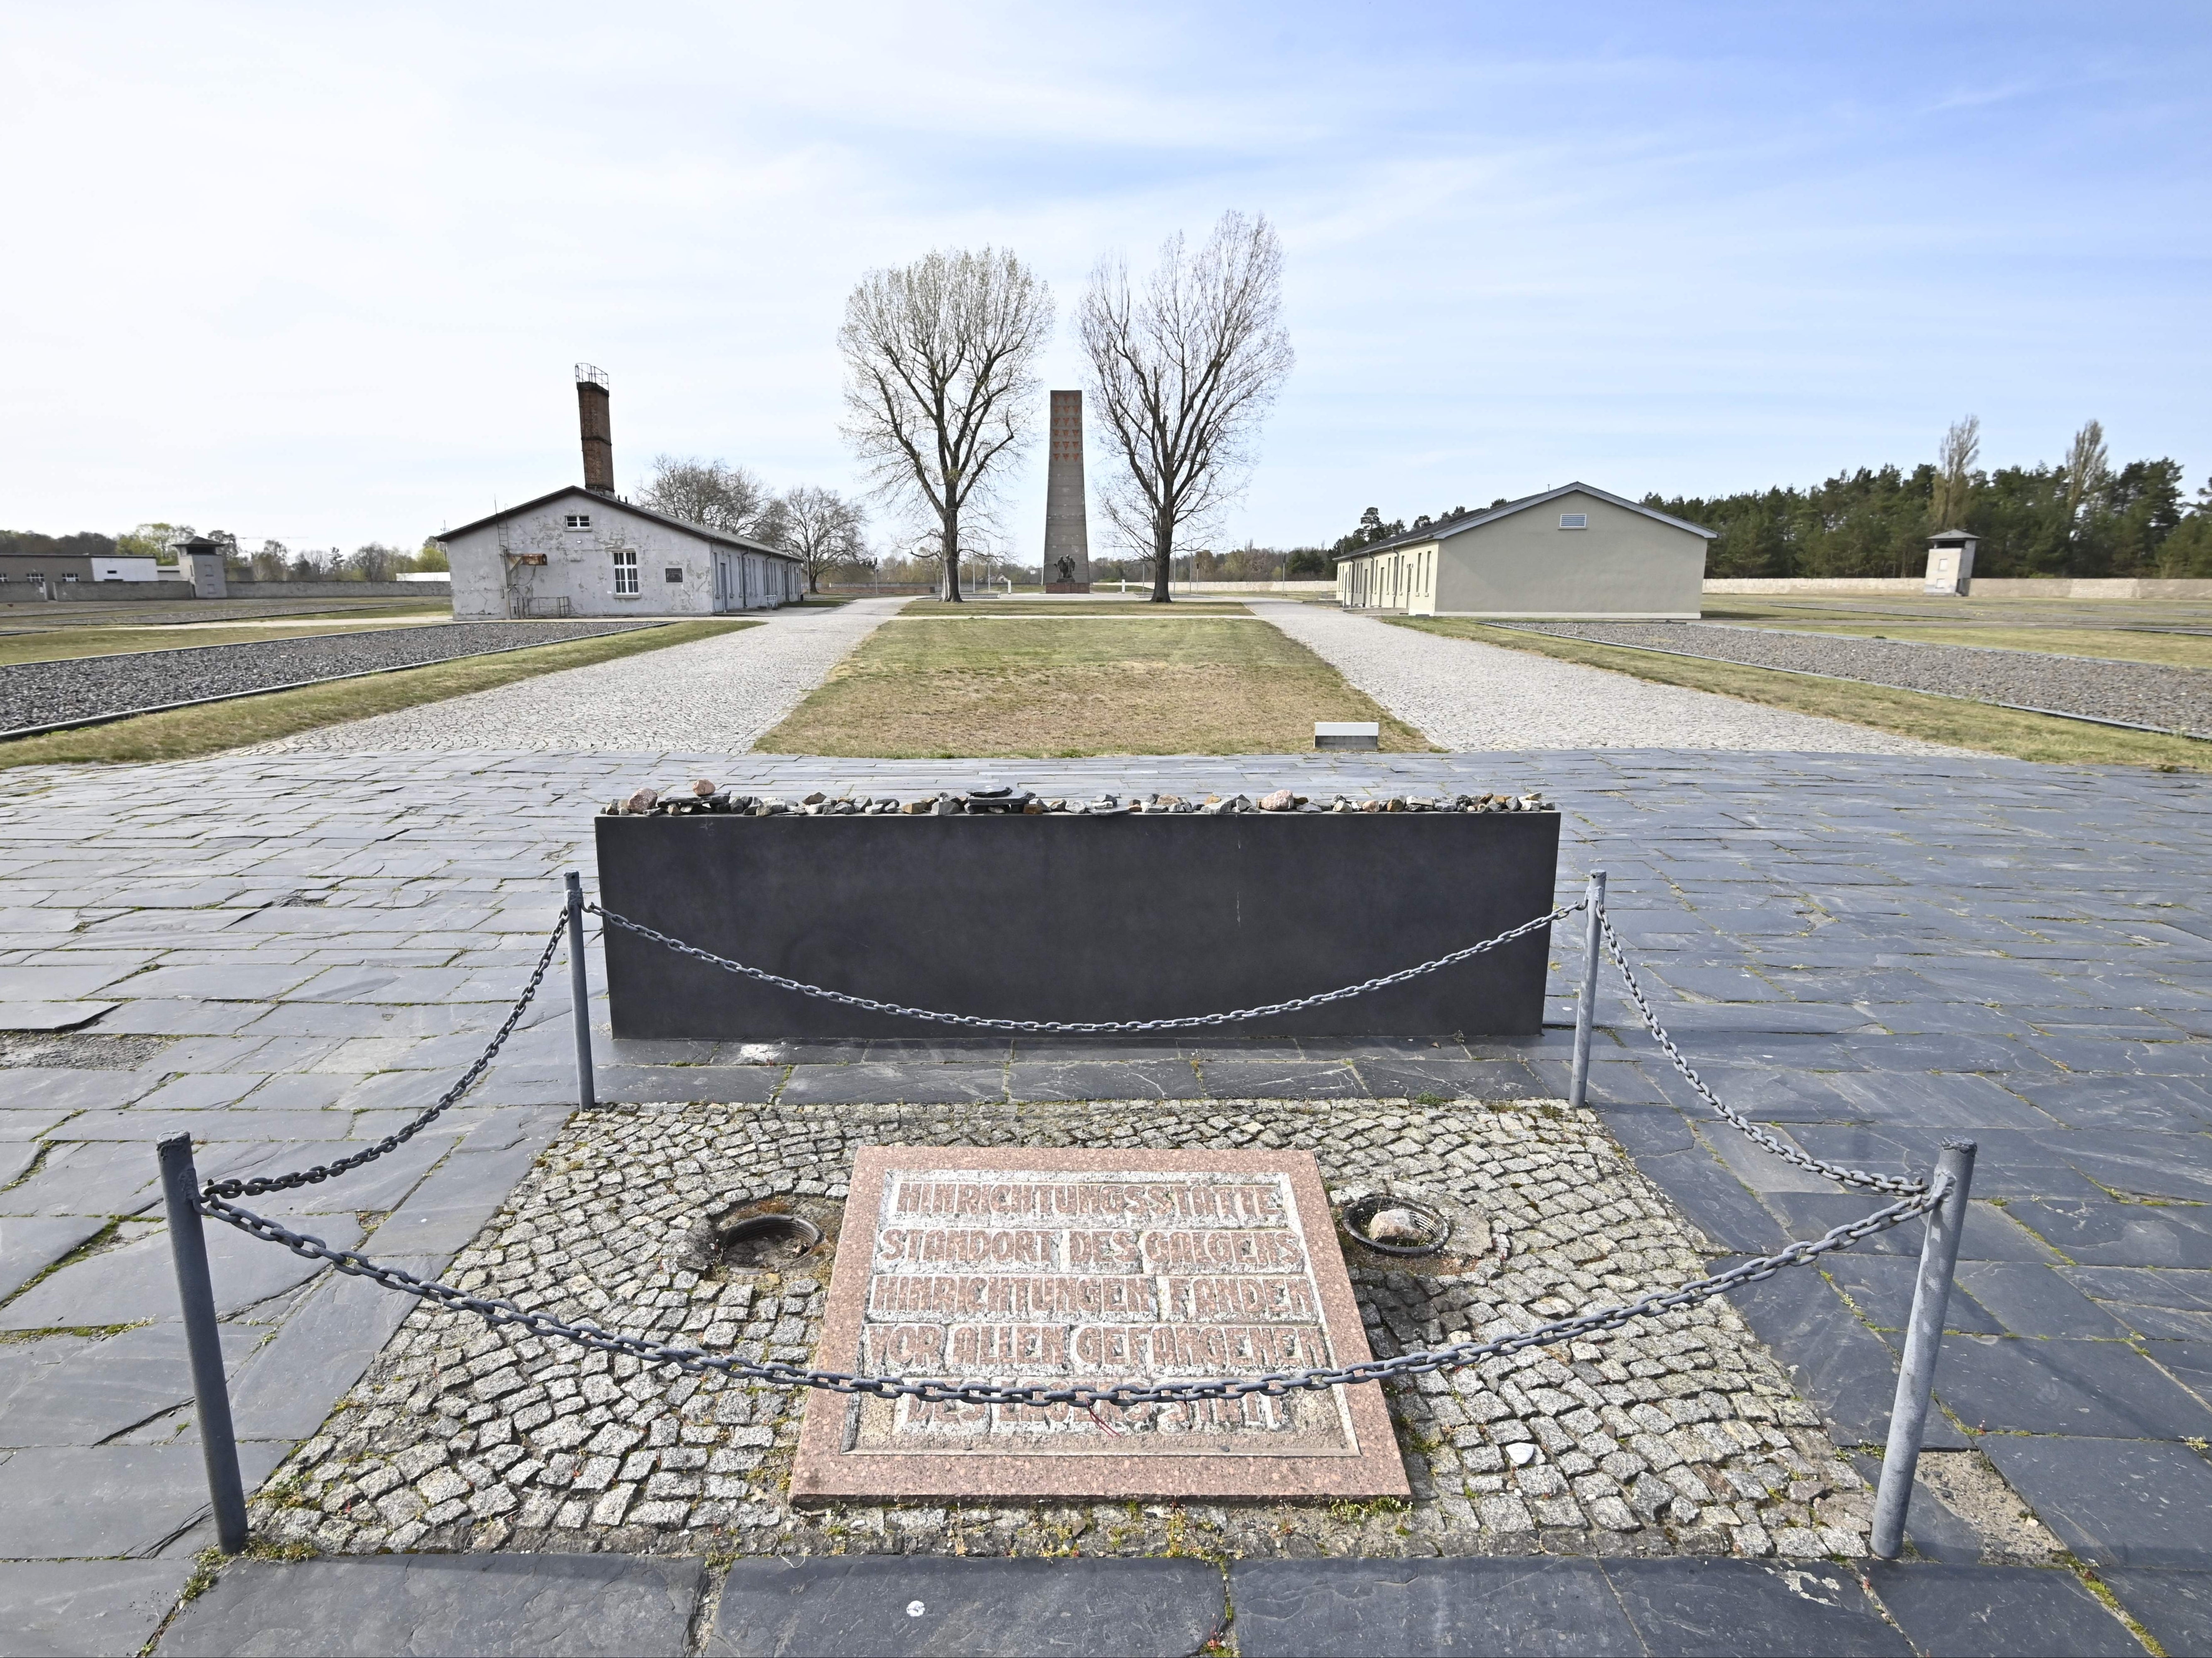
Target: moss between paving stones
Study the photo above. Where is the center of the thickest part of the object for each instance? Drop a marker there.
(1679, 1435)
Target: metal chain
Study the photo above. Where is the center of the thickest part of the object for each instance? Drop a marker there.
(1857, 1177)
(1086, 1026)
(498, 1313)
(397, 1138)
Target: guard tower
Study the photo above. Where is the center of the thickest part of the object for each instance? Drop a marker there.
(1950, 564)
(1067, 529)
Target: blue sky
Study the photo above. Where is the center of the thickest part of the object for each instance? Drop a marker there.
(320, 274)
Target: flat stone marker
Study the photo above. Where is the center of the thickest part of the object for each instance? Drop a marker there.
(1091, 1268)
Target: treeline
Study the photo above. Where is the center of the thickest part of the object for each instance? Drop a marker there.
(2080, 516)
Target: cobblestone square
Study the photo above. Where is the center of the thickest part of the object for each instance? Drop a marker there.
(1677, 1435)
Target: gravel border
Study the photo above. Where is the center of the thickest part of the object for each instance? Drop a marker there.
(83, 690)
(711, 696)
(1466, 696)
(2152, 695)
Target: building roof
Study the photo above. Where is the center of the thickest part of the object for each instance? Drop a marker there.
(616, 503)
(1467, 521)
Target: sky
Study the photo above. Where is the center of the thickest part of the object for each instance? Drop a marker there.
(321, 273)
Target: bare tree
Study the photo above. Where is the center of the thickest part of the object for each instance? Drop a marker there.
(1183, 375)
(1954, 471)
(941, 380)
(820, 529)
(710, 493)
(2089, 469)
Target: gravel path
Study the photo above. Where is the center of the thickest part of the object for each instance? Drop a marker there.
(85, 687)
(2138, 693)
(715, 696)
(1467, 696)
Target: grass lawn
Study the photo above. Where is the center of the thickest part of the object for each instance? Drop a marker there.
(946, 688)
(184, 731)
(1935, 719)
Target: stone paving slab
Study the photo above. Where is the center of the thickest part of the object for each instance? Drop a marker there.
(1869, 952)
(86, 1608)
(521, 1605)
(889, 1608)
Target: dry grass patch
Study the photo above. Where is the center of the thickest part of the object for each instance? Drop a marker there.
(1128, 608)
(1910, 713)
(184, 731)
(949, 688)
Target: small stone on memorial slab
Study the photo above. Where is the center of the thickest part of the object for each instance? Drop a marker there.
(1092, 1269)
(703, 788)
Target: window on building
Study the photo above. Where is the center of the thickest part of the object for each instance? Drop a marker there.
(580, 521)
(625, 572)
(673, 573)
(1574, 521)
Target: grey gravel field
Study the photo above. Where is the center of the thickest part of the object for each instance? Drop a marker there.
(1468, 696)
(711, 696)
(2138, 693)
(86, 687)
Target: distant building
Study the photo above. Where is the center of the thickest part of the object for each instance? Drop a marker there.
(582, 551)
(1573, 553)
(35, 575)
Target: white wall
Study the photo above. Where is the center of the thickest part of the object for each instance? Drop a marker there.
(580, 566)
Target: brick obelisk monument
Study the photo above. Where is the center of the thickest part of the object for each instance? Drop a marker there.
(1066, 530)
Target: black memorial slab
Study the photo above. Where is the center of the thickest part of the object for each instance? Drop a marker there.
(1069, 918)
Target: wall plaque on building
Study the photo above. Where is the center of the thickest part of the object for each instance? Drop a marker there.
(1091, 1268)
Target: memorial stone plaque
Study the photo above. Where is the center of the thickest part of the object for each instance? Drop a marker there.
(1091, 1268)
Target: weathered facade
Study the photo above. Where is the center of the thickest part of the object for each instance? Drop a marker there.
(1574, 552)
(577, 552)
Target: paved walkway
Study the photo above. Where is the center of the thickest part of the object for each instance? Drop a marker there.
(288, 954)
(717, 693)
(1478, 697)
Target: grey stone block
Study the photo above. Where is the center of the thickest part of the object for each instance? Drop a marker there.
(748, 1085)
(1711, 1609)
(1451, 1079)
(2175, 1606)
(1103, 1079)
(2114, 1501)
(887, 1606)
(2172, 1304)
(86, 1608)
(138, 1281)
(2028, 1300)
(287, 1389)
(29, 1244)
(1841, 1368)
(64, 1390)
(69, 1502)
(463, 1606)
(2097, 1232)
(452, 1206)
(2000, 1611)
(1262, 1079)
(919, 1082)
(34, 1089)
(1881, 1286)
(1344, 1608)
(89, 1177)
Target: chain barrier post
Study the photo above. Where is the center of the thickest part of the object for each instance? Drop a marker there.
(1924, 1337)
(1586, 1006)
(196, 1292)
(580, 993)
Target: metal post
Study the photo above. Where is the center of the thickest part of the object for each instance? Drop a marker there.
(196, 1292)
(580, 993)
(1586, 1007)
(1924, 1337)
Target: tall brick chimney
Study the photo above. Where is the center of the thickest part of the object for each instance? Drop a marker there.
(598, 430)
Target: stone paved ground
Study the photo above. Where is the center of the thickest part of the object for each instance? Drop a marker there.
(1469, 696)
(289, 953)
(1676, 1434)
